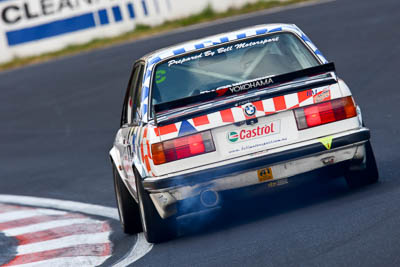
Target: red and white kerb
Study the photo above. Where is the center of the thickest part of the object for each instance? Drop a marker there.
(48, 237)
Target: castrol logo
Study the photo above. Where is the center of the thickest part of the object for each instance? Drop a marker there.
(258, 131)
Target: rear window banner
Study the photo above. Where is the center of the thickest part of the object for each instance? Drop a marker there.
(221, 50)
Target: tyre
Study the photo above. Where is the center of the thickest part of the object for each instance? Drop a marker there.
(368, 175)
(128, 209)
(155, 229)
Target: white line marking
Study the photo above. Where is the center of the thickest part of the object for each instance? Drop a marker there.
(63, 242)
(141, 247)
(23, 214)
(68, 262)
(46, 226)
(62, 205)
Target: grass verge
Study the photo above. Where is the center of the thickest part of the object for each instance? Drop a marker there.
(141, 31)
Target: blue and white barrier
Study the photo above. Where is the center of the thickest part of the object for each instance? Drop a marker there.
(33, 27)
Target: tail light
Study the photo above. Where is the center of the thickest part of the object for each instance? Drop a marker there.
(183, 147)
(323, 113)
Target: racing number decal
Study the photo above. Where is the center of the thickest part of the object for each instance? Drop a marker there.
(265, 174)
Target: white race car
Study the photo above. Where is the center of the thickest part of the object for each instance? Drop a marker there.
(246, 109)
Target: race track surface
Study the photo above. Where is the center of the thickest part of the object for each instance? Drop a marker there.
(58, 121)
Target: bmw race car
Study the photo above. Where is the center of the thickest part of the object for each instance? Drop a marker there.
(253, 108)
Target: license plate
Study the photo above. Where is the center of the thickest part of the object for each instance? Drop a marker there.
(265, 174)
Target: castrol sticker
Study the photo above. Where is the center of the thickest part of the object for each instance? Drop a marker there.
(259, 137)
(259, 131)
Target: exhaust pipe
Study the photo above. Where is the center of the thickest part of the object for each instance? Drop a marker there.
(209, 198)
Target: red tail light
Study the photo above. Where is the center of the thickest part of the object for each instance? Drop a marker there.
(183, 147)
(323, 113)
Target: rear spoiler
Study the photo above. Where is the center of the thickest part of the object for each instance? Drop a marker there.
(240, 88)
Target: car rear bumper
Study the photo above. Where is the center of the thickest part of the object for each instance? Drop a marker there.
(166, 192)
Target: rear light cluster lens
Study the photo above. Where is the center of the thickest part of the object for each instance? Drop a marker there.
(323, 113)
(183, 147)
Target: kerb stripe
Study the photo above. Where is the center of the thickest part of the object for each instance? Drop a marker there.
(64, 231)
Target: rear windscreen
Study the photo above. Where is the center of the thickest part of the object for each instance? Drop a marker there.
(208, 69)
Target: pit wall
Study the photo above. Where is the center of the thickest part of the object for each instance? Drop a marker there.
(34, 27)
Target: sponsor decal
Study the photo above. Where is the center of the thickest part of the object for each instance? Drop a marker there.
(184, 59)
(13, 12)
(221, 50)
(242, 86)
(233, 137)
(247, 134)
(327, 142)
(259, 145)
(249, 110)
(324, 95)
(244, 102)
(236, 88)
(160, 76)
(255, 43)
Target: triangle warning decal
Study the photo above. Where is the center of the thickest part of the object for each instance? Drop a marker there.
(327, 142)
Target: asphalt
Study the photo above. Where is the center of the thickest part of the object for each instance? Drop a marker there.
(58, 121)
(7, 248)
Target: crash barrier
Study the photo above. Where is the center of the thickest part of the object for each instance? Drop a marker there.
(33, 27)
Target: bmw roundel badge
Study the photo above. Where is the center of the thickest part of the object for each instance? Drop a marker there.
(249, 110)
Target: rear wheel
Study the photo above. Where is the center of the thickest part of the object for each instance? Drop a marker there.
(128, 209)
(156, 229)
(368, 175)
